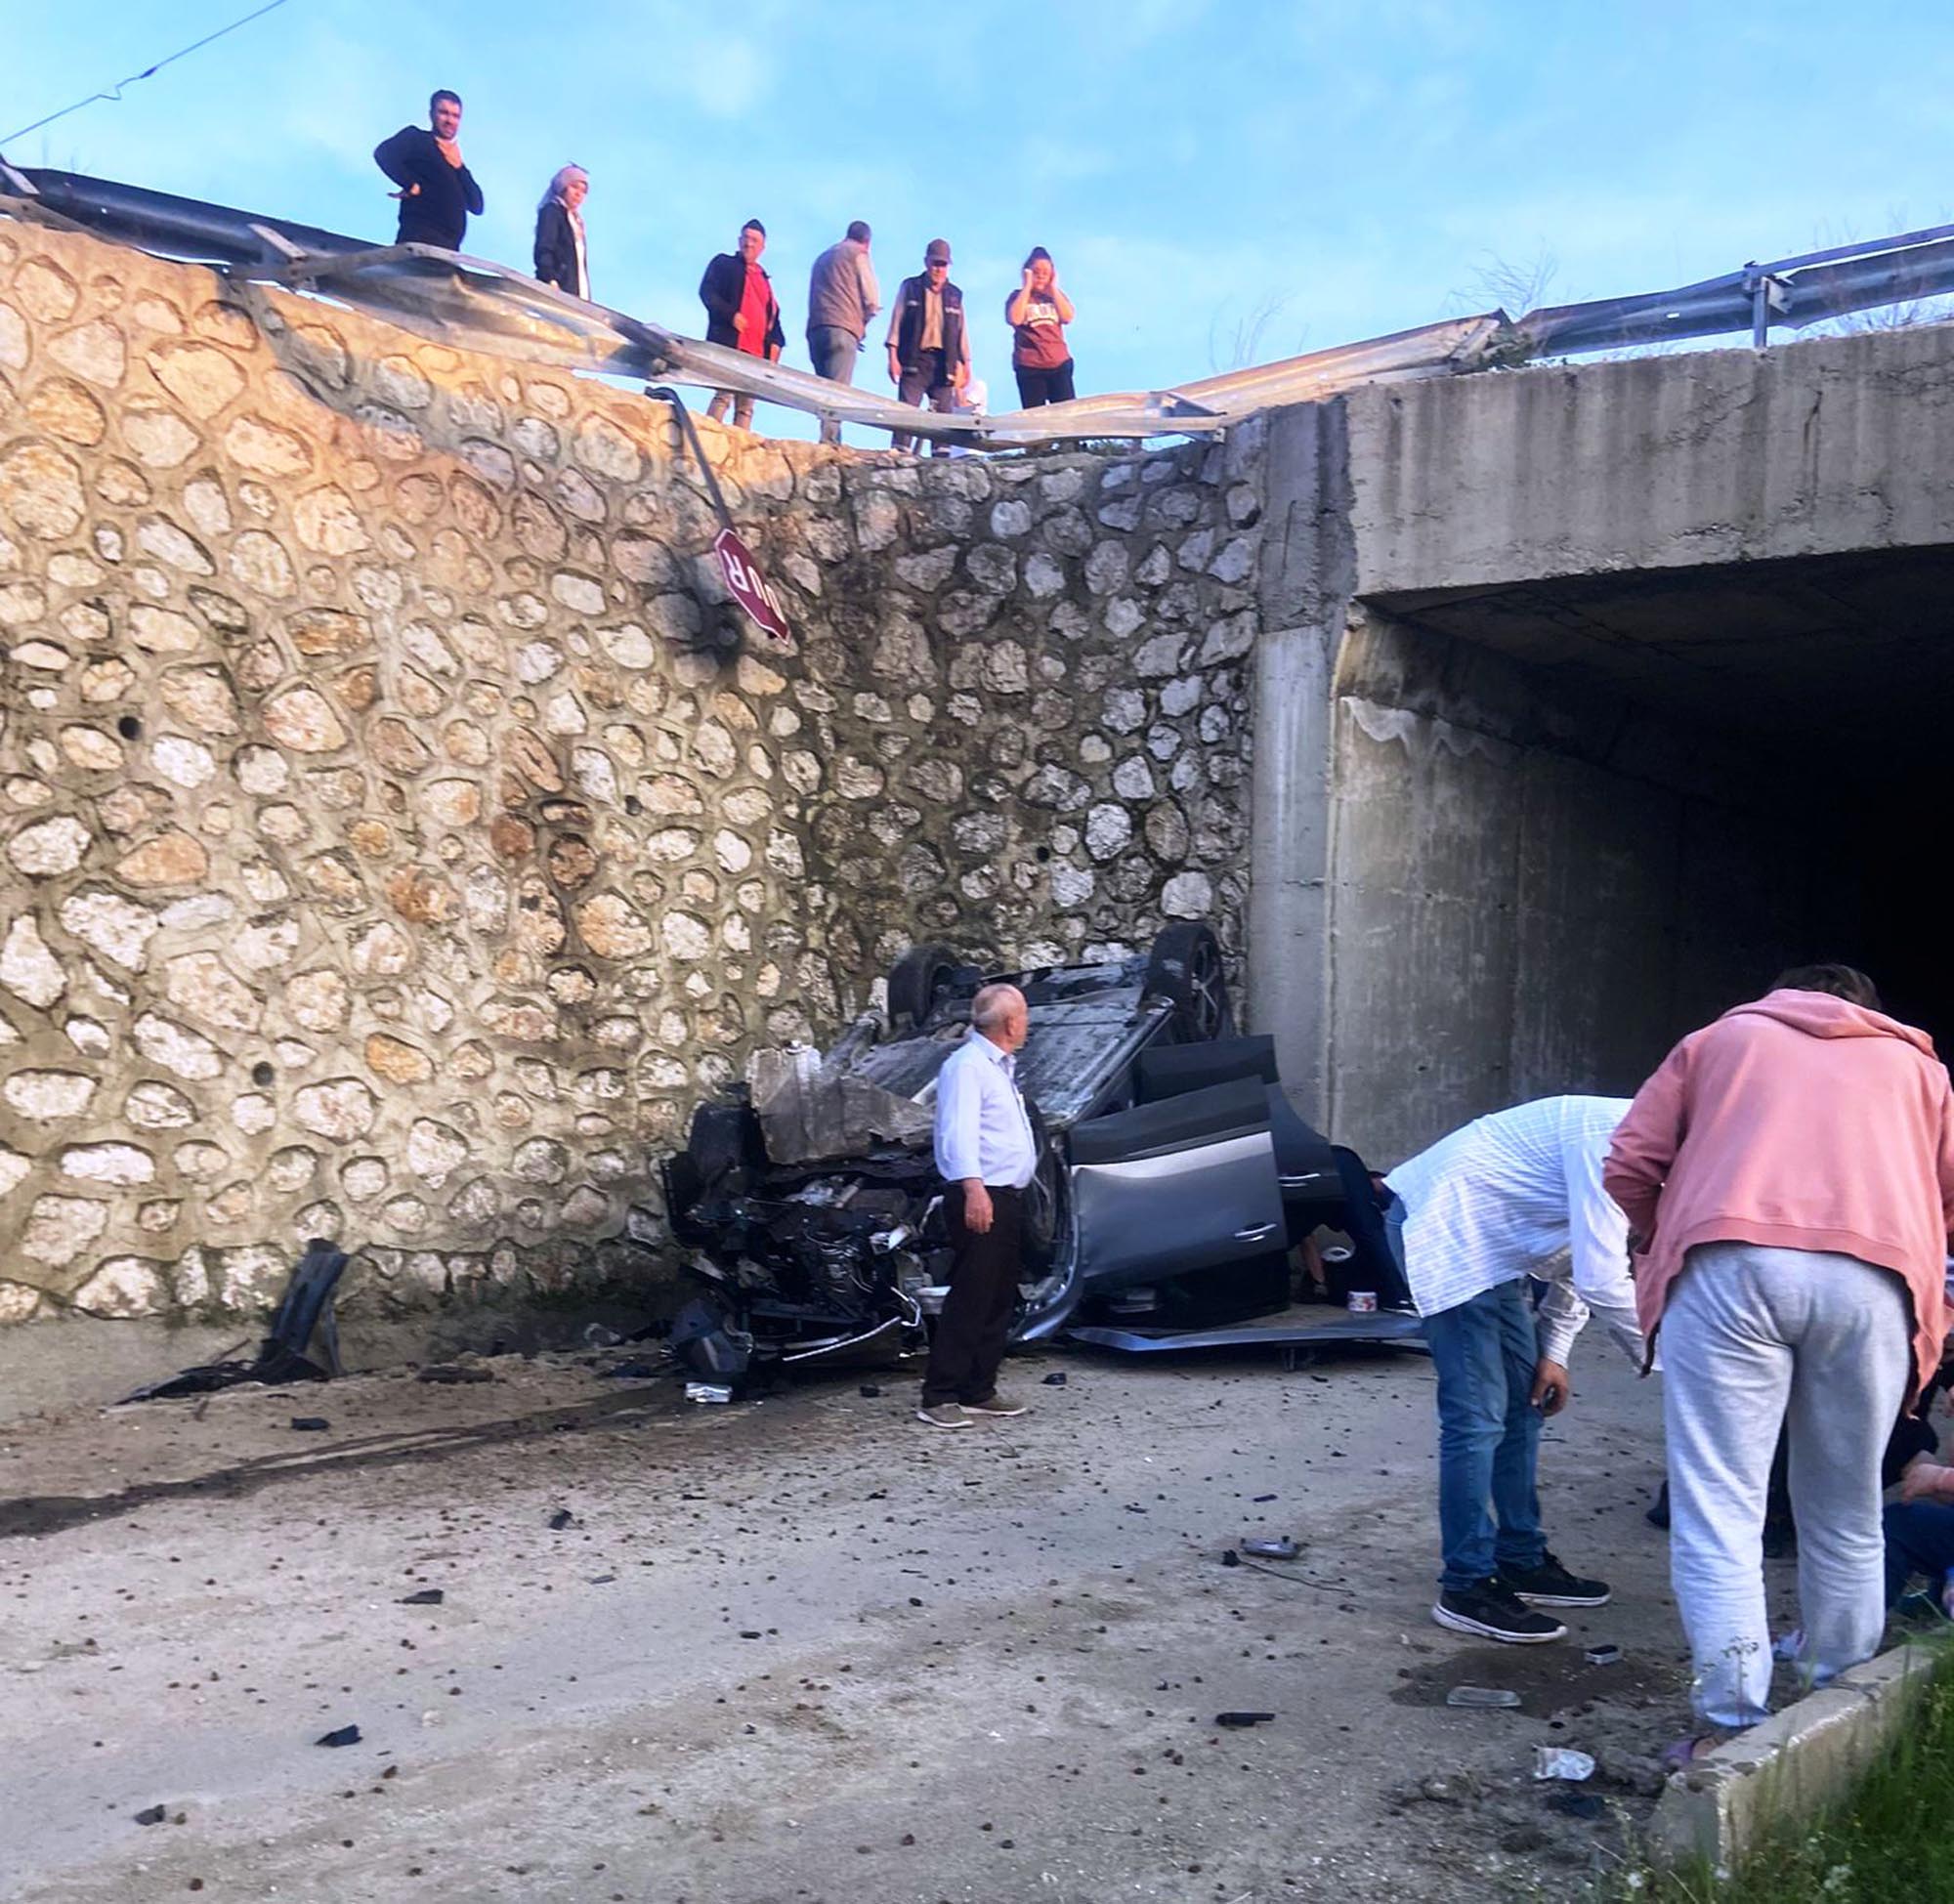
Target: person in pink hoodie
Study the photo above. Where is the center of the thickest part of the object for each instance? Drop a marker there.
(1788, 1177)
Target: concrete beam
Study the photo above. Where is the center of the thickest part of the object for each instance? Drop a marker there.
(1835, 444)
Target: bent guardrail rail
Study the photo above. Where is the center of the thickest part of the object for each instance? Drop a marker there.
(450, 297)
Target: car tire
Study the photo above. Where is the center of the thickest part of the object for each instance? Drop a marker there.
(915, 979)
(1184, 967)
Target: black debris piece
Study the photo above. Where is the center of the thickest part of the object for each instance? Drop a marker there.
(1579, 1804)
(869, 1391)
(752, 1632)
(1238, 1719)
(637, 1370)
(1056, 1379)
(154, 1816)
(1230, 1558)
(601, 1579)
(305, 1309)
(451, 1373)
(561, 1519)
(347, 1735)
(1260, 1498)
(427, 1597)
(310, 1424)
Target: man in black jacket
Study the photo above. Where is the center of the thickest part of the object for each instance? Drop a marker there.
(437, 191)
(929, 344)
(741, 312)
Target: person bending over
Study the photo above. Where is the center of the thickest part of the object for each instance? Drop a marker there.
(1513, 1194)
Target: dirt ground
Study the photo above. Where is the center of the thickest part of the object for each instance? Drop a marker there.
(805, 1649)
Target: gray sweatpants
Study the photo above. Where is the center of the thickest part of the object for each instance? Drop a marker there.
(1750, 1338)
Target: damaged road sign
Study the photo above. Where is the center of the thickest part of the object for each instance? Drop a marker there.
(750, 588)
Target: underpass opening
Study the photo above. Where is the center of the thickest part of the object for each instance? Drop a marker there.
(1573, 819)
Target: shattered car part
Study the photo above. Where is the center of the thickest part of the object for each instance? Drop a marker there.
(810, 1107)
(1174, 1174)
(1488, 1699)
(304, 1310)
(1306, 1331)
(1551, 1762)
(1282, 1548)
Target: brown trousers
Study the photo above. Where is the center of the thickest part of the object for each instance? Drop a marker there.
(976, 1320)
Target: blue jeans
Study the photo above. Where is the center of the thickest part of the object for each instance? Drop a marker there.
(833, 349)
(1488, 1434)
(1920, 1539)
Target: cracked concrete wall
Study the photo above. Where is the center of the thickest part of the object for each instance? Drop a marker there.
(397, 832)
(1536, 889)
(1490, 880)
(1832, 444)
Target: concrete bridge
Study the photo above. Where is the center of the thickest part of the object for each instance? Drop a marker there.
(1588, 697)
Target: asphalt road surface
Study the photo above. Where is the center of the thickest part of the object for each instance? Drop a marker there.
(805, 1649)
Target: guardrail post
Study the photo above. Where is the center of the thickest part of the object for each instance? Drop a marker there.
(665, 394)
(1770, 295)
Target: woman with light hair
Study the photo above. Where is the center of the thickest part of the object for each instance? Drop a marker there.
(560, 253)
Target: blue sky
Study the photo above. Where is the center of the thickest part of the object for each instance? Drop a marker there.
(1336, 169)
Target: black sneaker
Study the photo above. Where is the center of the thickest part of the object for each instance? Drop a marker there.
(1551, 1584)
(1491, 1611)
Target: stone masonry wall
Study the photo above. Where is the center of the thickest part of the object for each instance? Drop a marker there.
(397, 832)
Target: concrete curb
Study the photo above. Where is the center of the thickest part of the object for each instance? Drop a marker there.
(1801, 1758)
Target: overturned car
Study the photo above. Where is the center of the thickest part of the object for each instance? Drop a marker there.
(1173, 1176)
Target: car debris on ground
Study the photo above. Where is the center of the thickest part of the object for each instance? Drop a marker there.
(304, 1310)
(1491, 1699)
(1553, 1762)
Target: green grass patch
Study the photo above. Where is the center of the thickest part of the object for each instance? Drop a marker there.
(1891, 1843)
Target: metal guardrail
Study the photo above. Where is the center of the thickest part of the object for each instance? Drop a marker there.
(449, 297)
(1795, 292)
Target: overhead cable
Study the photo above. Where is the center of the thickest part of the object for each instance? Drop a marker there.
(114, 93)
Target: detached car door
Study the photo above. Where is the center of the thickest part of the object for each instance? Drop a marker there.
(1183, 1184)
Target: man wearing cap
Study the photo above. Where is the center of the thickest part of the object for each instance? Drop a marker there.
(742, 313)
(929, 343)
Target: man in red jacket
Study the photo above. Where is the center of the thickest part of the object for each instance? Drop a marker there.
(741, 312)
(1788, 1177)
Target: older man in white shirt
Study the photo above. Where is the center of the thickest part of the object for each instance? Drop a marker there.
(1512, 1195)
(986, 1153)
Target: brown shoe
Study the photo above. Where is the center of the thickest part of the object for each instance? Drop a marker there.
(944, 1415)
(996, 1408)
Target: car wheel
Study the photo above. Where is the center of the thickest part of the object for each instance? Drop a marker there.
(915, 979)
(1184, 967)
